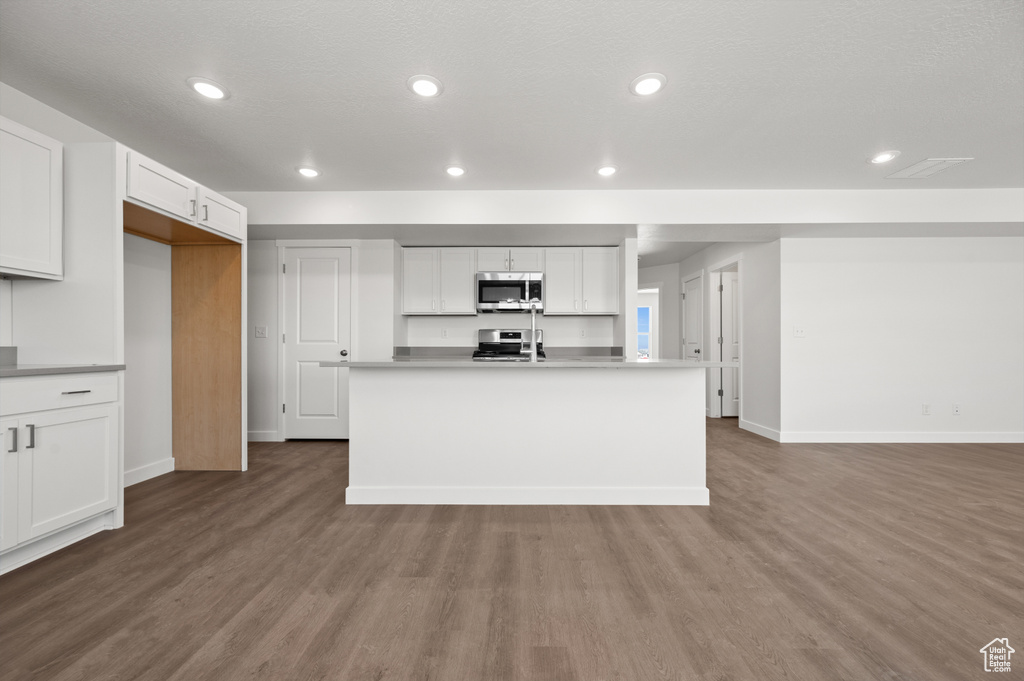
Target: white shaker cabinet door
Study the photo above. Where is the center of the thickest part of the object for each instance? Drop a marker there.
(562, 281)
(492, 260)
(458, 281)
(9, 484)
(67, 467)
(419, 281)
(31, 203)
(157, 185)
(600, 280)
(221, 214)
(526, 259)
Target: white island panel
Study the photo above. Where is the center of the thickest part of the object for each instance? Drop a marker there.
(436, 435)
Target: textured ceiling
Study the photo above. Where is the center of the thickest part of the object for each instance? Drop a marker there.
(773, 94)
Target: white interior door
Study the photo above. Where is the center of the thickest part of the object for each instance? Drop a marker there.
(317, 327)
(693, 311)
(730, 346)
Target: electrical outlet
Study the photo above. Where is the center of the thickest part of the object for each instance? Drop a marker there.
(799, 332)
(956, 410)
(583, 333)
(261, 332)
(444, 333)
(926, 410)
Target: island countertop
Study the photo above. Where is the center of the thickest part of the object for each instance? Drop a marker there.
(561, 363)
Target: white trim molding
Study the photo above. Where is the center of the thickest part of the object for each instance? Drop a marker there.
(150, 470)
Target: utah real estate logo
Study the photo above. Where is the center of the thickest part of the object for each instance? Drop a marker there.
(997, 654)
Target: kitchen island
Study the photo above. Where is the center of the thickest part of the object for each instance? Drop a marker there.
(595, 431)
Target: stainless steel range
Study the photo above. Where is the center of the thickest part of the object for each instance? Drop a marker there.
(506, 345)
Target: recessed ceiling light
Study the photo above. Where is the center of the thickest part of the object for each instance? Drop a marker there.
(884, 156)
(455, 171)
(208, 88)
(425, 86)
(647, 84)
(306, 171)
(606, 171)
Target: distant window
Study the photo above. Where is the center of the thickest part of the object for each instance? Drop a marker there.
(643, 333)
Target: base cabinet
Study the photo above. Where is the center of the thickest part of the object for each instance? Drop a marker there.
(60, 464)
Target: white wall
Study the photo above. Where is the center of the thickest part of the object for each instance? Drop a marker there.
(263, 402)
(760, 308)
(147, 354)
(892, 324)
(666, 279)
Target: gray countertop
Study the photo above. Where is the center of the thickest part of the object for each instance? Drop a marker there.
(13, 370)
(562, 363)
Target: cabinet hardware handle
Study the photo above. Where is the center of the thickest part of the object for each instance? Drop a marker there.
(513, 264)
(76, 392)
(31, 437)
(344, 353)
(433, 304)
(14, 433)
(586, 305)
(193, 202)
(442, 305)
(576, 305)
(506, 264)
(206, 213)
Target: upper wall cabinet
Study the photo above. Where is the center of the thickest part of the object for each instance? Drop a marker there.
(438, 281)
(510, 259)
(581, 281)
(31, 203)
(157, 186)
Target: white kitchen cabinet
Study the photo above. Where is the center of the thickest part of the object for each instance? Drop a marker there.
(510, 259)
(600, 280)
(31, 203)
(438, 281)
(562, 281)
(458, 280)
(157, 186)
(582, 281)
(419, 280)
(221, 214)
(9, 484)
(60, 462)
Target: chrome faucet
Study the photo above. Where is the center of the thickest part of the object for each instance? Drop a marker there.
(533, 329)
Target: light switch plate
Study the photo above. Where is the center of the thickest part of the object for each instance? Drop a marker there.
(261, 332)
(799, 332)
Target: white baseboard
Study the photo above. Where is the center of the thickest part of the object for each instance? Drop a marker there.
(498, 496)
(763, 431)
(150, 470)
(265, 436)
(937, 437)
(14, 558)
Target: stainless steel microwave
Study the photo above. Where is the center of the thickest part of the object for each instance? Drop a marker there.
(509, 291)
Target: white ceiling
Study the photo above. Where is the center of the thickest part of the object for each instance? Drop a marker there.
(771, 94)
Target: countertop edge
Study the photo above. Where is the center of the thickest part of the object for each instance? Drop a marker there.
(56, 369)
(549, 364)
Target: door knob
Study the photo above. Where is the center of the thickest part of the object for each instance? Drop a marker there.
(344, 353)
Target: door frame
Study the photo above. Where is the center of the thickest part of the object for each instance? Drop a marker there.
(714, 326)
(283, 244)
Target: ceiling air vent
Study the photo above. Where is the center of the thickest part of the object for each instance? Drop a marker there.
(926, 168)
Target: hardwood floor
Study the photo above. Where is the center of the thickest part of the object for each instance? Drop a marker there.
(818, 562)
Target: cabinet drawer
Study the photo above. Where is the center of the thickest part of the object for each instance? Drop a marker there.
(40, 393)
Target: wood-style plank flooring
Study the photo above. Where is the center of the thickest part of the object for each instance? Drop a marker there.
(818, 562)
